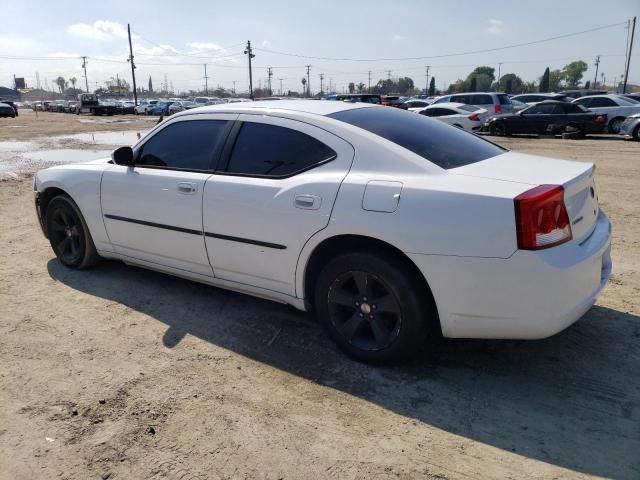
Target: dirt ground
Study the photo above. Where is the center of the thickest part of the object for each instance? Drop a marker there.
(118, 372)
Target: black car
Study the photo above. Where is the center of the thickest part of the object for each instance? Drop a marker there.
(12, 105)
(6, 110)
(541, 97)
(634, 96)
(549, 117)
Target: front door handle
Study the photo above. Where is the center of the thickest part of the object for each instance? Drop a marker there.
(308, 202)
(187, 188)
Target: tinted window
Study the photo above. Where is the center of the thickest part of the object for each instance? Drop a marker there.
(189, 145)
(446, 111)
(438, 142)
(583, 101)
(480, 100)
(540, 109)
(272, 151)
(602, 102)
(460, 98)
(503, 99)
(444, 99)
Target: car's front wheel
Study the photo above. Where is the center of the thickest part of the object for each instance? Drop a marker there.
(614, 125)
(372, 307)
(69, 235)
(498, 129)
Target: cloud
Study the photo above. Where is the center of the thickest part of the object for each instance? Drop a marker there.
(398, 38)
(155, 50)
(265, 43)
(204, 47)
(15, 43)
(495, 26)
(99, 30)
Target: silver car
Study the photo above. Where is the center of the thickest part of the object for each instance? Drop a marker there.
(494, 103)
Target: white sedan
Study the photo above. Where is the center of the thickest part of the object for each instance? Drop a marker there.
(459, 115)
(616, 107)
(391, 226)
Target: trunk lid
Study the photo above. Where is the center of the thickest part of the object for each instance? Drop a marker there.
(577, 178)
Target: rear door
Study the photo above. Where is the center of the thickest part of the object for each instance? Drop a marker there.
(276, 188)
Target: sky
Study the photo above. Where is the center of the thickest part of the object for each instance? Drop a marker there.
(341, 40)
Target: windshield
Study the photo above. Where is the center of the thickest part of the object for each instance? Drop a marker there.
(442, 144)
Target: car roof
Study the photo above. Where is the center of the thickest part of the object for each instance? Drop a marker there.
(317, 107)
(447, 104)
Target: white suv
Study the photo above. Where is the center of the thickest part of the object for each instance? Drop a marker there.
(494, 103)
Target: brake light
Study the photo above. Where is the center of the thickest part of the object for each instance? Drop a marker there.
(599, 119)
(498, 108)
(541, 218)
(474, 116)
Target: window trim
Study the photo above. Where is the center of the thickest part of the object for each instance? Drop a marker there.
(214, 160)
(232, 138)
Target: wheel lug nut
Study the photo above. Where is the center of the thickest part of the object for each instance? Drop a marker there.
(371, 317)
(364, 298)
(357, 304)
(374, 306)
(361, 314)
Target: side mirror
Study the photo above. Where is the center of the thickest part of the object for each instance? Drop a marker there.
(123, 156)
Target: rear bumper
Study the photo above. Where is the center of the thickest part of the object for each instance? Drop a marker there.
(531, 295)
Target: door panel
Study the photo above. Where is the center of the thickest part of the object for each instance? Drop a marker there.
(256, 227)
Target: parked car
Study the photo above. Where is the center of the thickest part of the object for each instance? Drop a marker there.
(12, 104)
(386, 224)
(459, 115)
(549, 117)
(70, 106)
(143, 106)
(518, 105)
(531, 98)
(7, 111)
(582, 93)
(159, 108)
(634, 96)
(494, 103)
(631, 127)
(393, 101)
(616, 107)
(356, 97)
(126, 107)
(181, 106)
(416, 104)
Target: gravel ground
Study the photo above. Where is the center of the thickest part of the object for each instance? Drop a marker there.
(118, 372)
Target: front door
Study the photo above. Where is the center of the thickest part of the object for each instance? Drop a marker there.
(276, 189)
(153, 211)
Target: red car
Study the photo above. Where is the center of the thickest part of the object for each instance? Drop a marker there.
(394, 101)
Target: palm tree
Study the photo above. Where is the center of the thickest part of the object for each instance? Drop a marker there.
(73, 81)
(60, 82)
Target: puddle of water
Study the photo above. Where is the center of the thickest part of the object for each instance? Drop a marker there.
(15, 146)
(127, 137)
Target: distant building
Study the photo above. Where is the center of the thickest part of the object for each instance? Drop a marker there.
(9, 94)
(19, 83)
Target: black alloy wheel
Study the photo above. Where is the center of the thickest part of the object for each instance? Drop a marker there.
(364, 310)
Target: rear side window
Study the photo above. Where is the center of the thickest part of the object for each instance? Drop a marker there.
(480, 100)
(441, 144)
(503, 99)
(272, 151)
(468, 108)
(602, 102)
(583, 101)
(186, 145)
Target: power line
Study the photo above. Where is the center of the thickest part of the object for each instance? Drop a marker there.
(471, 52)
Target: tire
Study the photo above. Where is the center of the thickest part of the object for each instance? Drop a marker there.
(614, 125)
(372, 308)
(69, 235)
(498, 130)
(636, 133)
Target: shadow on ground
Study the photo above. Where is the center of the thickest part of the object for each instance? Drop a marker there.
(572, 400)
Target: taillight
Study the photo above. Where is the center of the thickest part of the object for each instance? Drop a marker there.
(599, 119)
(541, 218)
(498, 108)
(474, 116)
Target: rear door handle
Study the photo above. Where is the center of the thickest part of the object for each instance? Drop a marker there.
(307, 202)
(187, 188)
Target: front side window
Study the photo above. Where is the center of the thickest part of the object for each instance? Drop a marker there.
(583, 101)
(272, 151)
(431, 139)
(186, 145)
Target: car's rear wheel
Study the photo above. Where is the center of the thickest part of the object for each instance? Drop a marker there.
(636, 134)
(614, 125)
(498, 129)
(68, 234)
(372, 308)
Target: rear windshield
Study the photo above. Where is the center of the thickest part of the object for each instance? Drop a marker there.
(504, 99)
(442, 144)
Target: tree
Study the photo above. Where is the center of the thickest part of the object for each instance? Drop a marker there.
(555, 80)
(511, 83)
(150, 85)
(60, 83)
(484, 70)
(472, 84)
(304, 82)
(361, 87)
(352, 87)
(432, 87)
(544, 81)
(572, 73)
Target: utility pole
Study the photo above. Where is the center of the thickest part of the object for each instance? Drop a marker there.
(626, 73)
(369, 87)
(269, 75)
(250, 54)
(321, 79)
(133, 68)
(595, 77)
(389, 75)
(38, 80)
(206, 81)
(84, 67)
(499, 70)
(281, 85)
(308, 83)
(426, 88)
(234, 87)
